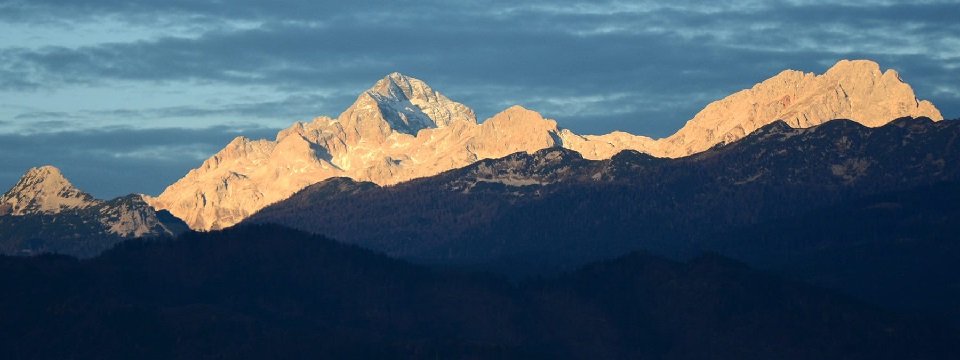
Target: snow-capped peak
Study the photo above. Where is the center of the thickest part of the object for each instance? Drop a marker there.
(409, 105)
(43, 190)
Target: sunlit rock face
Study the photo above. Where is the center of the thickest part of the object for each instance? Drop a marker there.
(402, 129)
(44, 190)
(855, 90)
(361, 144)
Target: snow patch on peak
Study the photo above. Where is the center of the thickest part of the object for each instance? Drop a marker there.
(409, 104)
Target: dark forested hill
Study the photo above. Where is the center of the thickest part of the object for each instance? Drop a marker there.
(86, 232)
(900, 249)
(553, 208)
(269, 292)
(45, 213)
(870, 211)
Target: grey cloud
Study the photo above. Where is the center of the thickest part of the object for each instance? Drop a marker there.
(519, 65)
(14, 80)
(33, 115)
(50, 123)
(282, 111)
(521, 53)
(289, 108)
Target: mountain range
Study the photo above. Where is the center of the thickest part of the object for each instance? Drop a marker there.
(402, 129)
(773, 141)
(811, 216)
(896, 249)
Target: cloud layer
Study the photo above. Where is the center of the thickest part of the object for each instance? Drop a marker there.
(95, 69)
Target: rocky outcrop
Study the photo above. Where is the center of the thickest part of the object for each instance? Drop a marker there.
(44, 212)
(402, 129)
(43, 190)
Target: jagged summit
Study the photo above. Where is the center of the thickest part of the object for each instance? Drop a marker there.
(43, 189)
(402, 129)
(45, 172)
(406, 105)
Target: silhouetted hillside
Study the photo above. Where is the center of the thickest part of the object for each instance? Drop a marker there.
(549, 209)
(268, 292)
(85, 232)
(809, 203)
(900, 249)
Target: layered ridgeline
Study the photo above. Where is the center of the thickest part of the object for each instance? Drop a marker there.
(268, 292)
(44, 212)
(402, 129)
(872, 211)
(554, 204)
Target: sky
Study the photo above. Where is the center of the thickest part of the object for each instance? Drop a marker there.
(127, 96)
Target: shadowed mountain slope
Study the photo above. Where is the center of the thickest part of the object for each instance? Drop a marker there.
(806, 202)
(555, 205)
